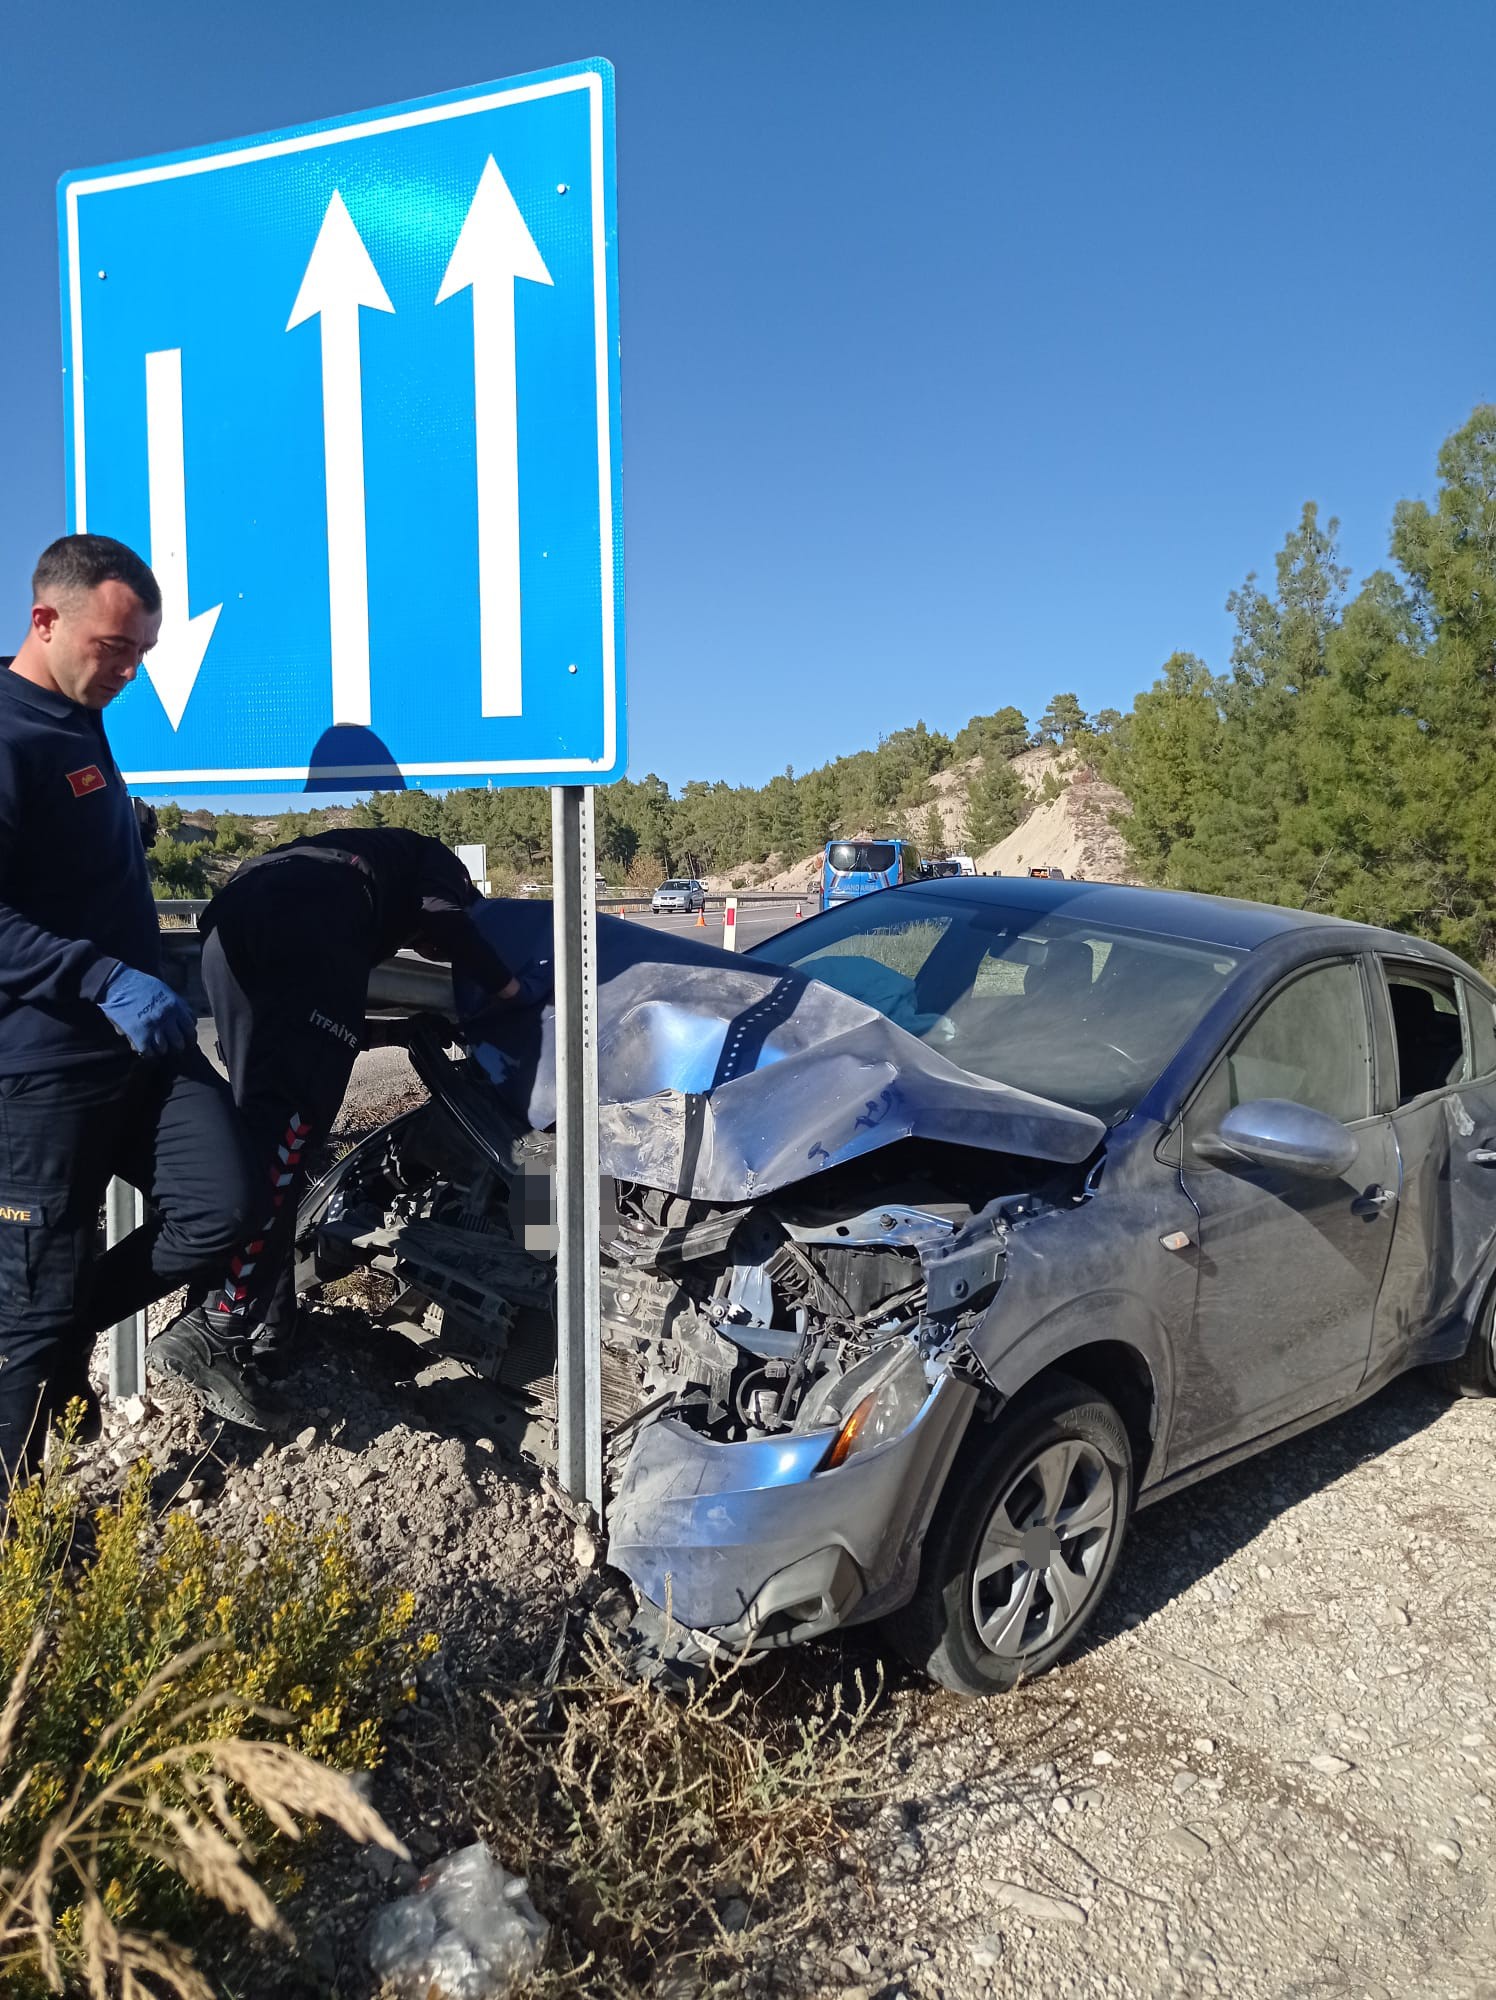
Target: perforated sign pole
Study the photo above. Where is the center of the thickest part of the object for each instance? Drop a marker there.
(578, 1299)
(124, 1212)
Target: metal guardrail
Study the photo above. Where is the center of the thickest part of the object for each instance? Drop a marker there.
(738, 896)
(185, 907)
(406, 983)
(183, 913)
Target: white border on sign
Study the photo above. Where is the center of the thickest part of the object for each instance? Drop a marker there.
(305, 142)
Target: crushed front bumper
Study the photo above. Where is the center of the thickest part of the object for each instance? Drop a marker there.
(751, 1546)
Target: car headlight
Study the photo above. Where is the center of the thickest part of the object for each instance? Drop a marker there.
(885, 1411)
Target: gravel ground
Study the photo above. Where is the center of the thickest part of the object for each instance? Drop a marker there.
(1269, 1773)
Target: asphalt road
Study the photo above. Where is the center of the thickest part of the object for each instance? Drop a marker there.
(756, 921)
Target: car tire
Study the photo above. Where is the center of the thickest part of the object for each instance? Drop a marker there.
(1474, 1373)
(1061, 1454)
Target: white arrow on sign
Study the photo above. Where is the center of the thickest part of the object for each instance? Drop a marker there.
(494, 249)
(340, 278)
(175, 659)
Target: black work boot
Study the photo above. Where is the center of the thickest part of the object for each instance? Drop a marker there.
(218, 1366)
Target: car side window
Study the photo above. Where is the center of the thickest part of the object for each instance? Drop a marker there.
(1427, 1027)
(1311, 1044)
(1481, 1014)
(900, 947)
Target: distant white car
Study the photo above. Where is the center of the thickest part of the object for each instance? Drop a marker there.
(682, 893)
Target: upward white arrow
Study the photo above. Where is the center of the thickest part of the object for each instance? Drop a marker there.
(493, 249)
(174, 661)
(340, 277)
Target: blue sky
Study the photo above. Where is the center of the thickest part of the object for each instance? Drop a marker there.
(969, 352)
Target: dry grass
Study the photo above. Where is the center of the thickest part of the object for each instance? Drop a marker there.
(184, 1807)
(174, 1719)
(641, 1816)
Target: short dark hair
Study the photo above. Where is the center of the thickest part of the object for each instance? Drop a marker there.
(83, 562)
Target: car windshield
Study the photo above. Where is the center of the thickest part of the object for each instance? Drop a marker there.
(862, 857)
(672, 885)
(1084, 1013)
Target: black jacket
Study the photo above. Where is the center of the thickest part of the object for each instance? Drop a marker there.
(75, 892)
(417, 892)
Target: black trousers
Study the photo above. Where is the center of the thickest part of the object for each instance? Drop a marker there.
(286, 967)
(170, 1129)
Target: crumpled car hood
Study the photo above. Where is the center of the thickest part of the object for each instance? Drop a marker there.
(725, 1078)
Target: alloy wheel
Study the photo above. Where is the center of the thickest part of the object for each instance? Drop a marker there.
(1043, 1551)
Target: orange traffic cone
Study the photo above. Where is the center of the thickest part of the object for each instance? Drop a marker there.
(701, 918)
(798, 911)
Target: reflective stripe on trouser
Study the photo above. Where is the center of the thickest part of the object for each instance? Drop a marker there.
(233, 1297)
(287, 983)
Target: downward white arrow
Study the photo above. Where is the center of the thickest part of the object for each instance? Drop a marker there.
(174, 661)
(493, 249)
(340, 277)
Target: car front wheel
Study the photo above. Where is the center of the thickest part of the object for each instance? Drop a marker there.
(1023, 1541)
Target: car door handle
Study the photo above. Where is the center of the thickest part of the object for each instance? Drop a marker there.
(1483, 1156)
(1374, 1199)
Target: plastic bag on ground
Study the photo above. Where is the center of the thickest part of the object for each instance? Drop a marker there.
(468, 1931)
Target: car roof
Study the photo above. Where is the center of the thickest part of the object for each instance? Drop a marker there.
(1220, 920)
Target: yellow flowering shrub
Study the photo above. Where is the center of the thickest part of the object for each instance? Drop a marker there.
(295, 1648)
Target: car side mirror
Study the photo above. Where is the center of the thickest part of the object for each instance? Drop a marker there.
(1272, 1132)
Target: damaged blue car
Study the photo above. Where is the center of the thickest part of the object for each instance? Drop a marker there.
(946, 1229)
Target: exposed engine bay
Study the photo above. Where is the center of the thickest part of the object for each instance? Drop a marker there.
(743, 1320)
(807, 1223)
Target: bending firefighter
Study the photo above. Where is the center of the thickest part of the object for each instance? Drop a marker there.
(290, 941)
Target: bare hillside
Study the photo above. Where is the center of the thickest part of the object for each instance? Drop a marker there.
(1073, 831)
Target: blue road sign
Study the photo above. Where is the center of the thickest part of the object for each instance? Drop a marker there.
(353, 387)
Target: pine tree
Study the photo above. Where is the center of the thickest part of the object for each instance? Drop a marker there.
(1062, 721)
(998, 803)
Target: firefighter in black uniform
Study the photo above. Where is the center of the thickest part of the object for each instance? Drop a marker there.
(100, 1072)
(289, 943)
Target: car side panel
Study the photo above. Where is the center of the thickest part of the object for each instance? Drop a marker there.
(1098, 1272)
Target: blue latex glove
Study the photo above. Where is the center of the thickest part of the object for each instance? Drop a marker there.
(152, 1019)
(536, 983)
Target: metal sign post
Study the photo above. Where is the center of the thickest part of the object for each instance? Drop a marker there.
(124, 1212)
(578, 1301)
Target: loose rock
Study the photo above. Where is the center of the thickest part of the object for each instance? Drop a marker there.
(1033, 1905)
